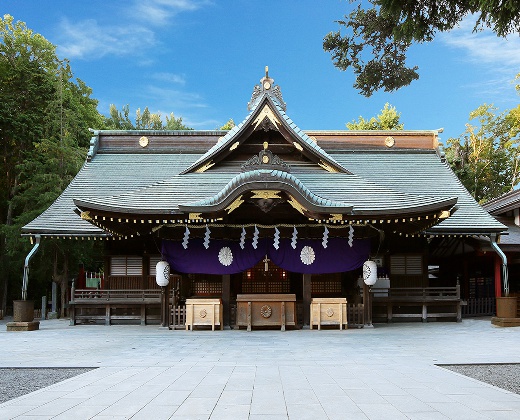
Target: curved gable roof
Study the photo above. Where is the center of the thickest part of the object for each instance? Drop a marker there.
(266, 108)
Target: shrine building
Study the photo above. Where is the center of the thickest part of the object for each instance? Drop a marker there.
(265, 220)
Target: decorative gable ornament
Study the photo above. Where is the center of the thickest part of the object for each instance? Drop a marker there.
(265, 160)
(268, 87)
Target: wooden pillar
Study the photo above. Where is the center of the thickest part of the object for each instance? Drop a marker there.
(307, 300)
(165, 306)
(367, 305)
(498, 276)
(145, 264)
(226, 296)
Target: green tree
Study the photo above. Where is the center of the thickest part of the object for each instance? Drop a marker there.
(228, 125)
(486, 156)
(145, 120)
(388, 119)
(44, 120)
(378, 37)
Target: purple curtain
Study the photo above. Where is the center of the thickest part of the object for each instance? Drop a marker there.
(226, 257)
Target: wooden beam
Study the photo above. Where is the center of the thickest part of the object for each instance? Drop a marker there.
(307, 299)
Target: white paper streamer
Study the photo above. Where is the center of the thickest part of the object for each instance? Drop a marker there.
(294, 238)
(206, 238)
(325, 237)
(350, 236)
(243, 238)
(276, 242)
(186, 238)
(255, 238)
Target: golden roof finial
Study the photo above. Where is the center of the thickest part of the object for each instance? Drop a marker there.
(266, 145)
(267, 72)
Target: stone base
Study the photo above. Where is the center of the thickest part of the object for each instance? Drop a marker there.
(52, 315)
(23, 326)
(505, 322)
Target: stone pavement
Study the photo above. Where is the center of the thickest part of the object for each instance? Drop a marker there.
(386, 372)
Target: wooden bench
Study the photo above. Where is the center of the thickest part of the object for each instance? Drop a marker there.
(420, 297)
(106, 305)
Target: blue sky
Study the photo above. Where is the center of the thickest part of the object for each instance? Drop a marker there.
(200, 59)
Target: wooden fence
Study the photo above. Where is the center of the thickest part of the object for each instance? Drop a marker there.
(178, 317)
(355, 315)
(479, 307)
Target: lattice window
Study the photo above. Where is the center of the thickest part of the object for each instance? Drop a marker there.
(153, 262)
(123, 265)
(265, 287)
(326, 284)
(205, 285)
(408, 265)
(325, 287)
(259, 280)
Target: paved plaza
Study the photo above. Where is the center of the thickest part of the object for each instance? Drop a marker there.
(386, 372)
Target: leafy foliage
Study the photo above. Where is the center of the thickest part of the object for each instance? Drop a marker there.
(228, 125)
(378, 37)
(486, 156)
(120, 120)
(44, 120)
(388, 119)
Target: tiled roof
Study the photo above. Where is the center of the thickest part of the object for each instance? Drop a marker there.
(423, 173)
(504, 203)
(151, 182)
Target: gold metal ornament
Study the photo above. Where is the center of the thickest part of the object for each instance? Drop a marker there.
(143, 141)
(234, 205)
(389, 141)
(266, 113)
(265, 194)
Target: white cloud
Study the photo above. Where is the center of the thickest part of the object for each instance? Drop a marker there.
(484, 47)
(127, 34)
(170, 78)
(88, 40)
(173, 99)
(160, 12)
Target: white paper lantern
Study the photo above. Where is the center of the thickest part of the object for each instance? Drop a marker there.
(162, 273)
(370, 273)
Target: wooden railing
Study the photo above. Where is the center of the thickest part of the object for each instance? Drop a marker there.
(418, 293)
(405, 300)
(131, 282)
(129, 295)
